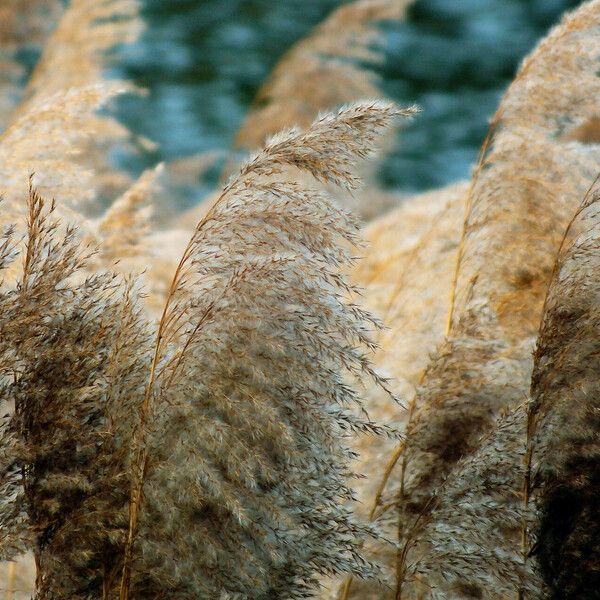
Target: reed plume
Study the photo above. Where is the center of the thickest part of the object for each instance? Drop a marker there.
(56, 131)
(406, 281)
(213, 454)
(476, 539)
(76, 56)
(564, 417)
(328, 67)
(125, 225)
(251, 382)
(527, 184)
(241, 410)
(74, 359)
(327, 62)
(24, 24)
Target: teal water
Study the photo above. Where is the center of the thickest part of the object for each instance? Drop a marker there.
(202, 61)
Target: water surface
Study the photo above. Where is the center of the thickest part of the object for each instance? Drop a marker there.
(202, 62)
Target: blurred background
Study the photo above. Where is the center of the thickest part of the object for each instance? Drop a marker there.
(202, 62)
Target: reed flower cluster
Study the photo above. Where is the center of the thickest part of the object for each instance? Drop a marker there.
(219, 419)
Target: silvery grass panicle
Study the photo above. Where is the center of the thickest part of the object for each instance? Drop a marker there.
(206, 457)
(254, 383)
(564, 424)
(532, 174)
(74, 360)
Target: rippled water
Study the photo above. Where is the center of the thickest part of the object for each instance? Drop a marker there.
(203, 60)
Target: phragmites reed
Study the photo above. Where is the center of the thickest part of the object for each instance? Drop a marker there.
(252, 384)
(407, 282)
(74, 361)
(24, 24)
(68, 152)
(564, 425)
(212, 453)
(530, 178)
(326, 68)
(241, 412)
(75, 55)
(56, 132)
(127, 222)
(475, 540)
(322, 70)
